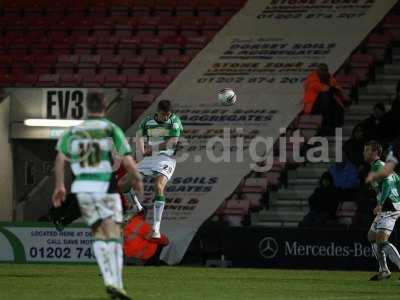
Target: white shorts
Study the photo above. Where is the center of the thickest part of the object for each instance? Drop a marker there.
(156, 165)
(100, 206)
(385, 221)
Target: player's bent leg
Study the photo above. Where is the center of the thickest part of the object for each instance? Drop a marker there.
(388, 248)
(159, 203)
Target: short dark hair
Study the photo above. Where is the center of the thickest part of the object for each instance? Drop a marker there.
(380, 106)
(164, 106)
(95, 102)
(375, 146)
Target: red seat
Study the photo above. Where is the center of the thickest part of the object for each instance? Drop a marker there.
(136, 113)
(176, 64)
(158, 83)
(5, 63)
(230, 7)
(211, 25)
(110, 64)
(143, 8)
(190, 26)
(143, 101)
(362, 64)
(128, 46)
(150, 46)
(115, 81)
(62, 45)
(77, 9)
(48, 80)
(44, 63)
(138, 84)
(107, 45)
(93, 81)
(26, 80)
(39, 44)
(55, 8)
(207, 8)
(22, 64)
(80, 27)
(84, 45)
(195, 44)
(164, 8)
(103, 27)
(67, 63)
(173, 45)
(6, 80)
(19, 46)
(133, 65)
(146, 27)
(125, 27)
(186, 7)
(88, 64)
(99, 8)
(121, 8)
(155, 65)
(168, 26)
(70, 80)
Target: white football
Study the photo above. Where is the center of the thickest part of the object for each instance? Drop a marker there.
(227, 97)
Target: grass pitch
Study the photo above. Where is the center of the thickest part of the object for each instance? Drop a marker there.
(83, 282)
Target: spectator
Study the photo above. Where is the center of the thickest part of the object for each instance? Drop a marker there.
(323, 97)
(354, 146)
(345, 179)
(394, 114)
(323, 203)
(378, 126)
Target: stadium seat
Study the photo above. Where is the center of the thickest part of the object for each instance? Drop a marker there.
(88, 64)
(115, 81)
(173, 45)
(230, 7)
(136, 113)
(158, 83)
(5, 64)
(207, 8)
(259, 184)
(155, 65)
(103, 27)
(110, 64)
(132, 65)
(125, 27)
(107, 45)
(176, 64)
(379, 44)
(143, 8)
(70, 80)
(99, 9)
(48, 80)
(62, 45)
(121, 8)
(22, 64)
(84, 45)
(55, 9)
(363, 66)
(392, 24)
(19, 46)
(6, 80)
(95, 81)
(168, 26)
(190, 26)
(26, 80)
(141, 102)
(185, 8)
(43, 64)
(164, 8)
(195, 44)
(211, 25)
(146, 27)
(67, 63)
(138, 84)
(128, 46)
(150, 46)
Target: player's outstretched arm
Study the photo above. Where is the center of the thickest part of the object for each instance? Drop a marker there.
(59, 191)
(387, 170)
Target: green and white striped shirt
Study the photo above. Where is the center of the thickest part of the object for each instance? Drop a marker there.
(157, 133)
(89, 147)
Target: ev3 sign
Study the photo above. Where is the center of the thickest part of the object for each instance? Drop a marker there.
(67, 103)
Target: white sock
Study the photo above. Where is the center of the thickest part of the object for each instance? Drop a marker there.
(100, 249)
(392, 253)
(383, 267)
(158, 211)
(116, 261)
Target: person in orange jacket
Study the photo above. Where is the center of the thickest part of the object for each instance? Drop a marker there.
(323, 96)
(138, 241)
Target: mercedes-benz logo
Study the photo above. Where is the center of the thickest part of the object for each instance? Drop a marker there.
(268, 247)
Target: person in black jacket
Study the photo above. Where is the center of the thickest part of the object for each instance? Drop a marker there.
(323, 203)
